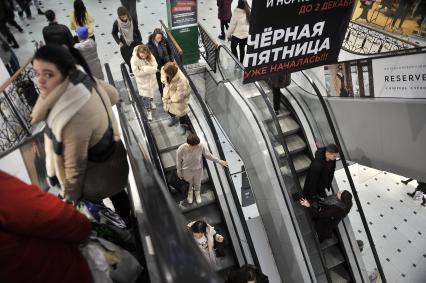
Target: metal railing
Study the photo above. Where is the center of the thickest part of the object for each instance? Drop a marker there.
(17, 97)
(208, 47)
(362, 39)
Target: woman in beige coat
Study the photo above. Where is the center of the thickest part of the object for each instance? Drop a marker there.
(84, 153)
(144, 68)
(176, 95)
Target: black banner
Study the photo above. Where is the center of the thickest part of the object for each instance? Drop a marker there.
(183, 12)
(292, 35)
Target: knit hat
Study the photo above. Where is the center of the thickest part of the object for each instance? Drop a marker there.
(82, 32)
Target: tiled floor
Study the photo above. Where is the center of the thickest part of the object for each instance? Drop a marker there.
(396, 221)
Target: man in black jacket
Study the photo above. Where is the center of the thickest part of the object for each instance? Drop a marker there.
(126, 33)
(55, 33)
(321, 172)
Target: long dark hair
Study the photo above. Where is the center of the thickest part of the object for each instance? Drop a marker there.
(242, 4)
(80, 12)
(64, 58)
(346, 198)
(199, 227)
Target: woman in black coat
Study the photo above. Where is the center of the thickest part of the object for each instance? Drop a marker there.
(327, 213)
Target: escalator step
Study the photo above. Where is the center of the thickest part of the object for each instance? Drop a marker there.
(295, 144)
(288, 126)
(301, 163)
(206, 197)
(169, 160)
(165, 137)
(209, 213)
(329, 243)
(333, 257)
(339, 274)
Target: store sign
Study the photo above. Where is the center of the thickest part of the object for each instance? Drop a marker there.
(401, 76)
(183, 13)
(292, 35)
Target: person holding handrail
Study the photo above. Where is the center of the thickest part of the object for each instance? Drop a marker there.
(321, 172)
(85, 156)
(328, 212)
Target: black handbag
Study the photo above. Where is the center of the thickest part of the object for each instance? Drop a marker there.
(178, 184)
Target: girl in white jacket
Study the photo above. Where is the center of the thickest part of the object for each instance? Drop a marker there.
(238, 31)
(144, 68)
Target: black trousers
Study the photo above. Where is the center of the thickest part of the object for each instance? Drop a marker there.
(183, 120)
(122, 205)
(276, 98)
(223, 25)
(241, 44)
(6, 32)
(25, 7)
(160, 84)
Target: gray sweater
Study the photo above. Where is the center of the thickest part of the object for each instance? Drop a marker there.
(190, 157)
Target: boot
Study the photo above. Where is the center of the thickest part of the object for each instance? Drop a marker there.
(173, 121)
(182, 129)
(149, 115)
(40, 12)
(198, 197)
(190, 197)
(221, 37)
(412, 194)
(153, 106)
(424, 201)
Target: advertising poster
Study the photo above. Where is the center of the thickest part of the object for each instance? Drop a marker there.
(401, 77)
(183, 13)
(292, 35)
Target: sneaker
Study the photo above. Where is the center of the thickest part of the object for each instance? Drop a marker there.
(149, 115)
(153, 106)
(221, 37)
(173, 121)
(198, 197)
(190, 197)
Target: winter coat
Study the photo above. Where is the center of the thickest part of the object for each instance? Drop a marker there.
(144, 71)
(224, 10)
(239, 26)
(176, 94)
(89, 23)
(320, 175)
(89, 51)
(39, 236)
(210, 234)
(326, 218)
(55, 33)
(167, 52)
(76, 121)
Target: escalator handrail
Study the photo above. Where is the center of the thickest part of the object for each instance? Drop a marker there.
(287, 152)
(178, 59)
(143, 123)
(348, 175)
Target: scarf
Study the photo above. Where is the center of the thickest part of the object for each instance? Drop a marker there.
(126, 30)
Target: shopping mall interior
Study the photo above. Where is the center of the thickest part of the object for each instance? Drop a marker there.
(259, 145)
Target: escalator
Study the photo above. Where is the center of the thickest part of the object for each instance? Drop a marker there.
(215, 209)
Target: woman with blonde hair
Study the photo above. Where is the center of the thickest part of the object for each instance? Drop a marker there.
(175, 95)
(144, 68)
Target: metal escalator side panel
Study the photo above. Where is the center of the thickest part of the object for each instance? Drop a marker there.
(238, 122)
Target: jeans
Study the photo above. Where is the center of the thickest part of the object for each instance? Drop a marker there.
(182, 120)
(146, 101)
(241, 43)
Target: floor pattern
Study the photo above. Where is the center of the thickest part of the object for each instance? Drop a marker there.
(396, 221)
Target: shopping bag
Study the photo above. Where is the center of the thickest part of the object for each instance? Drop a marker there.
(110, 263)
(178, 184)
(101, 214)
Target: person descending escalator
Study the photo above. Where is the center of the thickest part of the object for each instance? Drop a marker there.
(189, 165)
(176, 96)
(321, 172)
(419, 192)
(145, 69)
(208, 240)
(328, 212)
(88, 48)
(85, 156)
(277, 82)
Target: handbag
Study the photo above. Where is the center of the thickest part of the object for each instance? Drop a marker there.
(178, 184)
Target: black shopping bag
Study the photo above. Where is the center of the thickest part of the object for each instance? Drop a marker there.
(178, 184)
